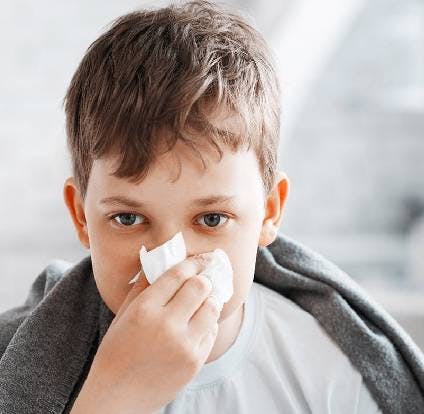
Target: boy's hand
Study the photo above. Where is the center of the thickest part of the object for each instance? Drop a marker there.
(158, 341)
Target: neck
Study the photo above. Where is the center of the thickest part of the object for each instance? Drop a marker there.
(227, 334)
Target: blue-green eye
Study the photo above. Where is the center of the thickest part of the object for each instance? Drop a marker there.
(126, 219)
(213, 219)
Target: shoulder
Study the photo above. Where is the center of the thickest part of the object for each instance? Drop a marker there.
(11, 319)
(318, 370)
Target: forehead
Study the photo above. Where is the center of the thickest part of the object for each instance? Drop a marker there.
(180, 171)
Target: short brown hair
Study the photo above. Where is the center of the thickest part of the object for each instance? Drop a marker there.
(163, 69)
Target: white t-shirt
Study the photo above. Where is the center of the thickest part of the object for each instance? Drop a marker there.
(282, 361)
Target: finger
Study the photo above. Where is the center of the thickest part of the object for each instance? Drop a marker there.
(189, 298)
(139, 286)
(166, 286)
(204, 319)
(207, 342)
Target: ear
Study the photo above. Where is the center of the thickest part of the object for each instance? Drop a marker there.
(73, 201)
(274, 206)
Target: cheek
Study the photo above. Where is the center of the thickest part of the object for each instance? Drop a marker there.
(115, 262)
(113, 252)
(243, 259)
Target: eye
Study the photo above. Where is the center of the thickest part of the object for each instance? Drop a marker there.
(212, 219)
(126, 219)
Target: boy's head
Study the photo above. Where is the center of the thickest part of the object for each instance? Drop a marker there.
(168, 107)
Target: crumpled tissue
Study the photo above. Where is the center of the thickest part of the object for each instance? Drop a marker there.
(158, 260)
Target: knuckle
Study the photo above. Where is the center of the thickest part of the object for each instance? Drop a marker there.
(200, 284)
(184, 348)
(188, 354)
(170, 328)
(212, 308)
(179, 274)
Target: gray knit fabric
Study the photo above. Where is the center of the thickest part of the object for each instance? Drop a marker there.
(47, 345)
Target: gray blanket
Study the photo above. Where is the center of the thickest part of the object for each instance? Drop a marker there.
(47, 345)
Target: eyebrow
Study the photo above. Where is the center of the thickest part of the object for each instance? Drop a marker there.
(202, 202)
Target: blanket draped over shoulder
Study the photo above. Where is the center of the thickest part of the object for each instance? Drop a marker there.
(47, 344)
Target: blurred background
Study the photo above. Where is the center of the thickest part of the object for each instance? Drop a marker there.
(352, 141)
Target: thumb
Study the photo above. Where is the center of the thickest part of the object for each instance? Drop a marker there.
(137, 287)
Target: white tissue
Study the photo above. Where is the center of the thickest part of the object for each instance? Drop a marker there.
(161, 258)
(220, 273)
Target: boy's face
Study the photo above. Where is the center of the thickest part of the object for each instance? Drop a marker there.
(115, 231)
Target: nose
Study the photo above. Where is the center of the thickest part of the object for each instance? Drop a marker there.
(161, 238)
(192, 245)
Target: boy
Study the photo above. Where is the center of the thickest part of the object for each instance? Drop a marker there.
(173, 125)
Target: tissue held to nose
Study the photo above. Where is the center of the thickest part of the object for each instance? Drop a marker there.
(158, 260)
